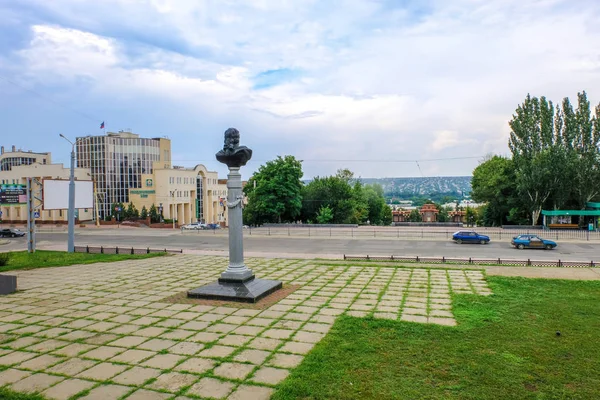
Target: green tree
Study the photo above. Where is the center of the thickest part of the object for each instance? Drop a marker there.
(131, 212)
(274, 192)
(386, 215)
(415, 216)
(375, 203)
(144, 213)
(325, 215)
(154, 215)
(443, 213)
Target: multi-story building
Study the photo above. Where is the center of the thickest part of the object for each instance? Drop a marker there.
(19, 165)
(185, 194)
(117, 162)
(16, 158)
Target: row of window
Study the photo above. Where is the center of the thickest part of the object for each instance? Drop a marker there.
(7, 181)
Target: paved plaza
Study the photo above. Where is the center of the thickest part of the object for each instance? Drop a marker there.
(105, 331)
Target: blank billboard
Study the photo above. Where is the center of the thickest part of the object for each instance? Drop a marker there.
(56, 194)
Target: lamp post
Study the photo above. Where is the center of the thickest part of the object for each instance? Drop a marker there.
(71, 212)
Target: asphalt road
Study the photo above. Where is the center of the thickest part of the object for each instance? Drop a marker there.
(566, 251)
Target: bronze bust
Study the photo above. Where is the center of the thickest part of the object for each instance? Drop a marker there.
(233, 155)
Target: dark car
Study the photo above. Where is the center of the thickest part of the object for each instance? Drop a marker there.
(470, 237)
(213, 226)
(11, 233)
(532, 242)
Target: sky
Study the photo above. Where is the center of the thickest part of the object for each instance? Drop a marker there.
(386, 88)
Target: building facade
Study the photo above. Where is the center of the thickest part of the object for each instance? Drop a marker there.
(16, 158)
(184, 194)
(15, 175)
(118, 161)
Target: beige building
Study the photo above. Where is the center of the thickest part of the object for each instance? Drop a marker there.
(185, 194)
(16, 166)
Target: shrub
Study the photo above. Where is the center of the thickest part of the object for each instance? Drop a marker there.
(4, 258)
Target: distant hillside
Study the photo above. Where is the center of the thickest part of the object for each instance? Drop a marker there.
(408, 187)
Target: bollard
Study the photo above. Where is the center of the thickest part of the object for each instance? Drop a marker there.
(132, 251)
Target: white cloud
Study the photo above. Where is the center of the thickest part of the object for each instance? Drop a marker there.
(375, 81)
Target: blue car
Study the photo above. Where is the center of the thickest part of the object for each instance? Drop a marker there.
(470, 237)
(532, 242)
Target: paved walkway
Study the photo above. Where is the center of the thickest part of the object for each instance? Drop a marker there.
(72, 329)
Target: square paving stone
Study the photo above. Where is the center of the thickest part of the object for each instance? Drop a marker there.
(72, 367)
(101, 339)
(221, 328)
(442, 321)
(234, 340)
(196, 365)
(233, 370)
(163, 361)
(40, 363)
(12, 375)
(177, 334)
(413, 318)
(210, 387)
(270, 376)
(297, 347)
(309, 337)
(125, 329)
(102, 371)
(150, 332)
(36, 383)
(103, 353)
(157, 344)
(264, 343)
(133, 356)
(73, 349)
(278, 333)
(186, 348)
(129, 341)
(286, 360)
(195, 325)
(248, 392)
(107, 392)
(252, 356)
(136, 376)
(77, 335)
(16, 357)
(248, 330)
(205, 337)
(172, 382)
(47, 345)
(148, 395)
(22, 342)
(67, 389)
(217, 351)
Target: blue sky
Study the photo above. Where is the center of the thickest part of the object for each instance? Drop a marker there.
(339, 84)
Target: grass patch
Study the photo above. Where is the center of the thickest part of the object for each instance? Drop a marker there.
(7, 394)
(43, 259)
(505, 347)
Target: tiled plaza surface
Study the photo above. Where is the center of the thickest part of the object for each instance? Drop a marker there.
(100, 331)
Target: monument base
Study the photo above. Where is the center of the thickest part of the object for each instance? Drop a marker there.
(8, 284)
(249, 291)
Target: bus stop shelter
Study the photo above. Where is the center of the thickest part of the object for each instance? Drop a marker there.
(562, 219)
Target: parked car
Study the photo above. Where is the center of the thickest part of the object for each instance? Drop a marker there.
(11, 233)
(213, 226)
(532, 242)
(195, 226)
(470, 237)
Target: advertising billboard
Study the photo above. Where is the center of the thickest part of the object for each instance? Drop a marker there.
(13, 194)
(56, 194)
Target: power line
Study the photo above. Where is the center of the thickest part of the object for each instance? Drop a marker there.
(371, 160)
(50, 99)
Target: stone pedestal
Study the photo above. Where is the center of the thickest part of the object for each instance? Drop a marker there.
(8, 284)
(237, 282)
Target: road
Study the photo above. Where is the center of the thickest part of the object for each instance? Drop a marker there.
(140, 238)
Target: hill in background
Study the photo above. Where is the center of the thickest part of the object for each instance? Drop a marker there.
(439, 189)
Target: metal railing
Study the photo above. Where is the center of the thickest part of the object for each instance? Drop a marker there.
(121, 250)
(476, 261)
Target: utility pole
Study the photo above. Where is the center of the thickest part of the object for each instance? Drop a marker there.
(71, 212)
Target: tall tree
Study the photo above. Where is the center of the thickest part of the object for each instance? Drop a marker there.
(386, 215)
(586, 142)
(532, 142)
(275, 192)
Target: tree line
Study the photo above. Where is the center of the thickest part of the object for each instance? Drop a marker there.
(276, 194)
(554, 163)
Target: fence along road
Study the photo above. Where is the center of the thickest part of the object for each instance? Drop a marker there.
(406, 232)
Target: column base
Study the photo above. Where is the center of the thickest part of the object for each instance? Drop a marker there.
(242, 276)
(247, 292)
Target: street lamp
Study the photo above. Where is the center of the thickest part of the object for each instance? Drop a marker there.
(71, 212)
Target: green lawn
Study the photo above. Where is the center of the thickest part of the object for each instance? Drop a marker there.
(42, 259)
(505, 347)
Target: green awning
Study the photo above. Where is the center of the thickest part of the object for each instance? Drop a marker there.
(593, 205)
(556, 213)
